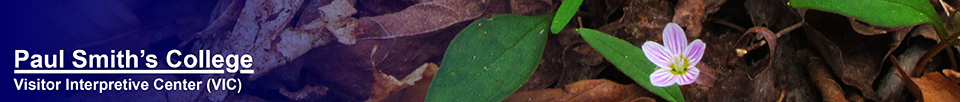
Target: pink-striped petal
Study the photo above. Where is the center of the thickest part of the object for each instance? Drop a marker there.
(657, 54)
(663, 78)
(689, 77)
(694, 52)
(674, 38)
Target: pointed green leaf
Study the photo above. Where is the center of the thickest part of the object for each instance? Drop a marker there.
(878, 12)
(630, 60)
(567, 9)
(490, 59)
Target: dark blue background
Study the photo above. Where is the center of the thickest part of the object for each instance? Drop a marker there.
(45, 26)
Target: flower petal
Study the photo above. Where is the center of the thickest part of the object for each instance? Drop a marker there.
(663, 78)
(689, 77)
(657, 54)
(694, 52)
(674, 38)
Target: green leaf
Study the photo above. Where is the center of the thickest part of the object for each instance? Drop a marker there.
(490, 59)
(878, 12)
(564, 14)
(630, 60)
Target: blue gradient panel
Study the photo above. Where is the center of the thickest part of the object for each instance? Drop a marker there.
(97, 26)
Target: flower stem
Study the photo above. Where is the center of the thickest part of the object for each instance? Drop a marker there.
(946, 42)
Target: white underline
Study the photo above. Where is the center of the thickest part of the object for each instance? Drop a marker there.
(211, 71)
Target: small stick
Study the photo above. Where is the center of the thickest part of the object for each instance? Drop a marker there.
(921, 64)
(580, 21)
(791, 28)
(911, 86)
(728, 24)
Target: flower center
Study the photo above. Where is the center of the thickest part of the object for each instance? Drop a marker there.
(679, 65)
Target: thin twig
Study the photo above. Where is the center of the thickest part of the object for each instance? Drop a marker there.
(911, 86)
(580, 22)
(771, 41)
(791, 28)
(769, 37)
(728, 24)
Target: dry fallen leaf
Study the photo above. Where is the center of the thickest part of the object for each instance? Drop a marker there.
(952, 75)
(244, 98)
(899, 33)
(567, 59)
(765, 86)
(307, 93)
(417, 19)
(772, 14)
(418, 91)
(893, 88)
(387, 85)
(259, 28)
(926, 31)
(823, 79)
(937, 88)
(858, 60)
(690, 14)
(643, 20)
(864, 28)
(596, 90)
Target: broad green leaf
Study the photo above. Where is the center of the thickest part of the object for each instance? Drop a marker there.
(564, 14)
(490, 59)
(630, 60)
(878, 12)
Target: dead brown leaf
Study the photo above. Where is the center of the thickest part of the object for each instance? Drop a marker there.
(387, 85)
(418, 91)
(899, 33)
(952, 75)
(598, 90)
(307, 93)
(223, 19)
(861, 56)
(690, 14)
(825, 47)
(926, 31)
(937, 88)
(823, 79)
(244, 98)
(766, 89)
(855, 97)
(864, 28)
(643, 20)
(530, 7)
(348, 69)
(567, 59)
(945, 7)
(260, 29)
(773, 14)
(894, 88)
(417, 19)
